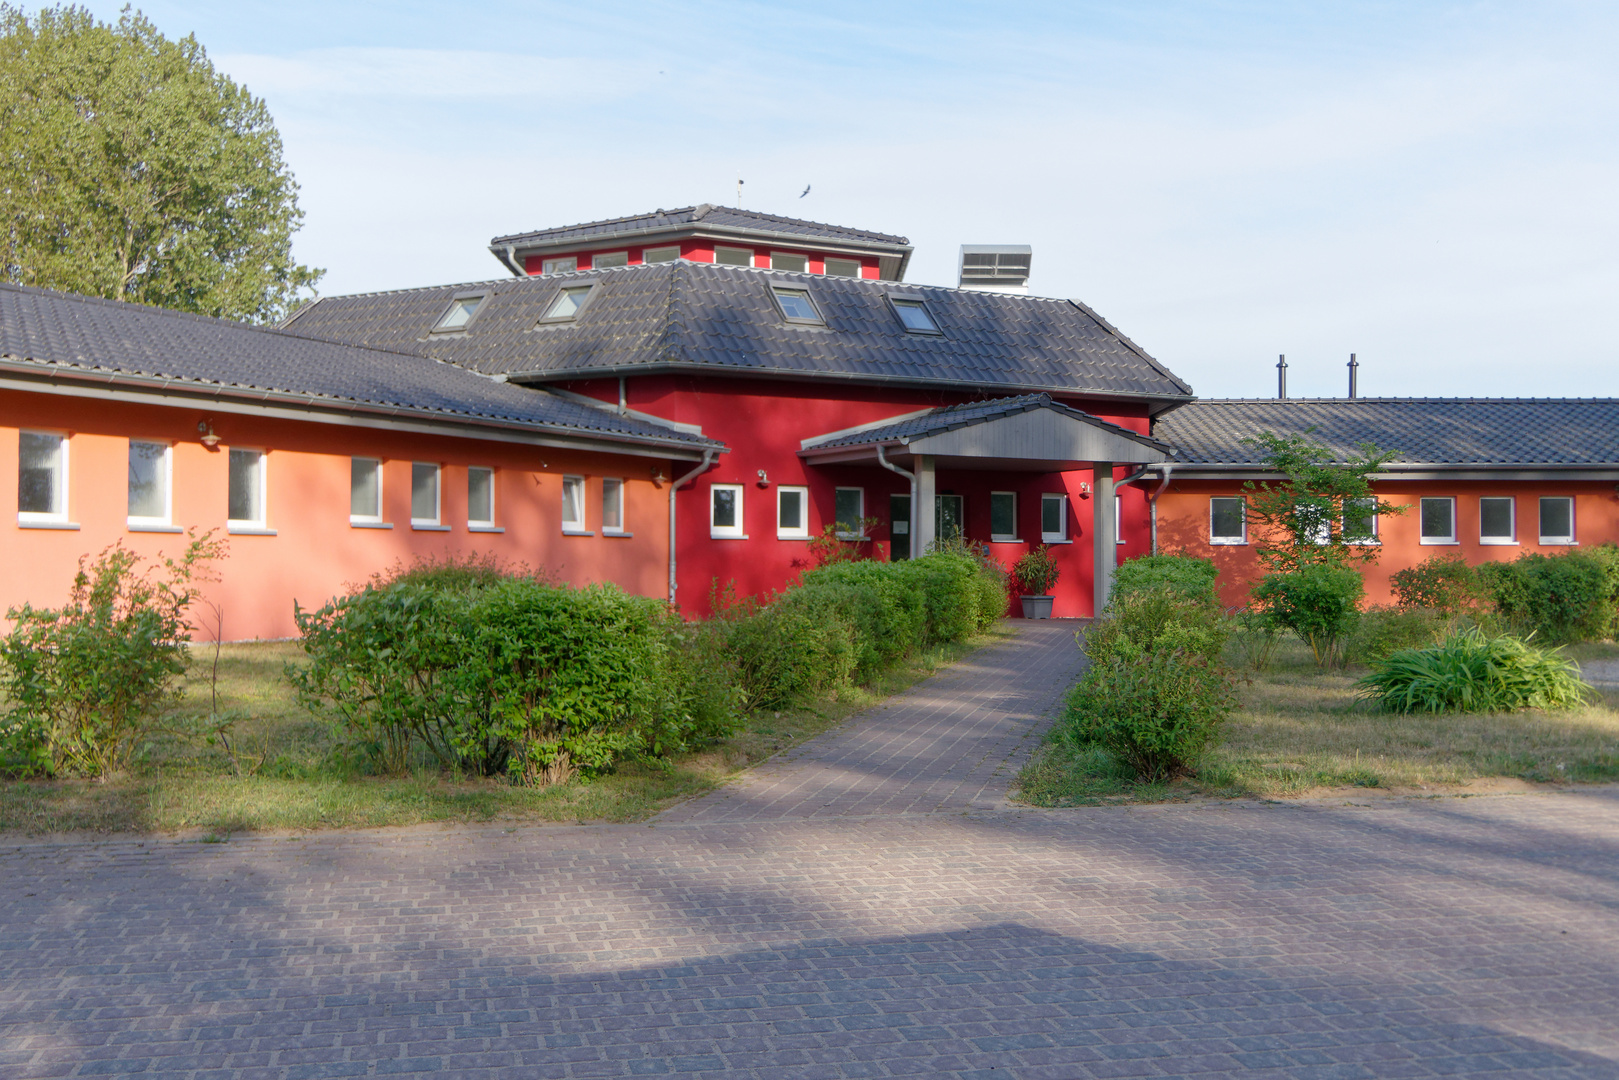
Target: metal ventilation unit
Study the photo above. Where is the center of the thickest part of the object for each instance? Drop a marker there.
(995, 267)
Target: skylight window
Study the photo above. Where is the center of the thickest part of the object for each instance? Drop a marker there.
(796, 306)
(568, 304)
(460, 313)
(916, 317)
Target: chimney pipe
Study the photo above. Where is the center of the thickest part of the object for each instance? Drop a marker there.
(1354, 369)
(1281, 377)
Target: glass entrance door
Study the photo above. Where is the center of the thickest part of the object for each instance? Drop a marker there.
(899, 527)
(947, 517)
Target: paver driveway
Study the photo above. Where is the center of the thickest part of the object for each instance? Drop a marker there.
(1448, 937)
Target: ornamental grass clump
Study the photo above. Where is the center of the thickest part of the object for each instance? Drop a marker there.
(1470, 672)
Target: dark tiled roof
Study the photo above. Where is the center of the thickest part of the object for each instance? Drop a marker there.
(86, 335)
(950, 418)
(722, 319)
(708, 215)
(1425, 431)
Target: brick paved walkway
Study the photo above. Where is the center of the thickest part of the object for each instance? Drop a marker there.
(1447, 937)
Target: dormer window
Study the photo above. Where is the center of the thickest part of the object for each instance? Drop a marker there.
(915, 315)
(730, 256)
(660, 254)
(842, 268)
(796, 306)
(568, 304)
(460, 313)
(782, 260)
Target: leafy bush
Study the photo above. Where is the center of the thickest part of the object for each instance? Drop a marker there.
(789, 650)
(1255, 633)
(1159, 620)
(1155, 711)
(1195, 578)
(1318, 602)
(1443, 583)
(1469, 672)
(1565, 597)
(1036, 571)
(87, 681)
(473, 571)
(1381, 631)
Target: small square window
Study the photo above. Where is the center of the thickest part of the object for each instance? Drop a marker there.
(1003, 516)
(792, 513)
(1228, 521)
(1497, 520)
(1360, 521)
(573, 504)
(568, 304)
(424, 493)
(480, 496)
(1556, 520)
(843, 267)
(781, 260)
(796, 306)
(851, 510)
(725, 511)
(365, 491)
(562, 264)
(459, 313)
(612, 506)
(610, 260)
(1053, 518)
(150, 472)
(660, 254)
(916, 317)
(246, 496)
(42, 476)
(730, 256)
(1438, 520)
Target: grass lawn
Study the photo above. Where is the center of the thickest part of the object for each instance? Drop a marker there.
(288, 783)
(1301, 732)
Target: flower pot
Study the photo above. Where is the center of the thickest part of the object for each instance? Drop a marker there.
(1036, 607)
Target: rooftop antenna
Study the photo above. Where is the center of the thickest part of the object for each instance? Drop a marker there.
(739, 193)
(1281, 377)
(1354, 369)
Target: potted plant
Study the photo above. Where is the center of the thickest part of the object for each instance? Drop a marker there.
(1036, 572)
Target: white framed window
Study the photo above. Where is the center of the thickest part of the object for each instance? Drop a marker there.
(792, 513)
(850, 505)
(1437, 519)
(151, 479)
(568, 304)
(613, 506)
(725, 512)
(1498, 520)
(796, 305)
(1360, 521)
(1053, 518)
(573, 505)
(1003, 517)
(426, 494)
(365, 491)
(41, 478)
(480, 497)
(1228, 520)
(915, 316)
(660, 254)
(460, 313)
(1556, 519)
(610, 260)
(843, 267)
(786, 260)
(560, 265)
(732, 256)
(248, 485)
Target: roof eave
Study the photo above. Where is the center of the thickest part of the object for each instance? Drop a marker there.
(517, 248)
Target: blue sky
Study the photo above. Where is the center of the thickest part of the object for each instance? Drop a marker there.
(1432, 186)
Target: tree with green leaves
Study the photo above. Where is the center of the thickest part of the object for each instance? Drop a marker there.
(1322, 512)
(131, 169)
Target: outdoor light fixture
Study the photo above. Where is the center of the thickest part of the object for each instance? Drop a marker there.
(764, 481)
(657, 477)
(205, 428)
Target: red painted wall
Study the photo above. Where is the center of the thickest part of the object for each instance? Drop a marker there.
(315, 550)
(763, 423)
(700, 250)
(1183, 527)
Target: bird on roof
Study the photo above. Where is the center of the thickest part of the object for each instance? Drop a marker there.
(805, 192)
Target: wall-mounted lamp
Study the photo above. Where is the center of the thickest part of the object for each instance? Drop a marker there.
(657, 477)
(205, 429)
(764, 481)
(1084, 490)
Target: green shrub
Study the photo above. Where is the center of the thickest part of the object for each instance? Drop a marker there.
(888, 615)
(1158, 620)
(87, 681)
(1155, 712)
(1443, 583)
(474, 571)
(1318, 602)
(992, 581)
(1255, 633)
(1469, 672)
(1196, 578)
(1036, 571)
(1565, 597)
(1381, 631)
(785, 651)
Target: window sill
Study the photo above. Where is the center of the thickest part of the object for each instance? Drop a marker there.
(414, 527)
(134, 527)
(618, 534)
(1055, 540)
(1228, 543)
(370, 524)
(25, 524)
(1440, 543)
(1005, 540)
(1543, 543)
(578, 532)
(792, 536)
(1498, 543)
(486, 528)
(727, 536)
(248, 530)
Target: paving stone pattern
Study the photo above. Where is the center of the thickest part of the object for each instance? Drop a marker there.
(1448, 937)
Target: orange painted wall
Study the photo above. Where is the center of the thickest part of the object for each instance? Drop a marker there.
(1183, 527)
(315, 551)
